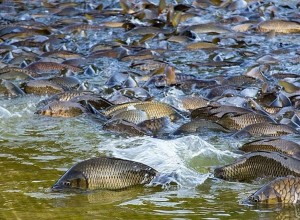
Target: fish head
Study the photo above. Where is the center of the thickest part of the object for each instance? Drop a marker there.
(72, 179)
(219, 172)
(242, 134)
(266, 195)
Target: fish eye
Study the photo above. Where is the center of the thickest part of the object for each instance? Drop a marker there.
(254, 199)
(67, 183)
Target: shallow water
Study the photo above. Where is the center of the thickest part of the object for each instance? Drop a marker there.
(37, 150)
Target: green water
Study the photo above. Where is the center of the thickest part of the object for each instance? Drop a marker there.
(35, 151)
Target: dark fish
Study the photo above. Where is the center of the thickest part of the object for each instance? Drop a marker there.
(50, 66)
(154, 126)
(259, 164)
(66, 82)
(235, 121)
(105, 173)
(279, 145)
(214, 111)
(62, 109)
(13, 73)
(280, 190)
(123, 127)
(197, 125)
(41, 87)
(265, 129)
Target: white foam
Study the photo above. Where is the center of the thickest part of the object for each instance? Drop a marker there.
(166, 156)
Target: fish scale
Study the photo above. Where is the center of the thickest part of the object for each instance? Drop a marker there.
(280, 190)
(259, 164)
(241, 121)
(279, 145)
(109, 173)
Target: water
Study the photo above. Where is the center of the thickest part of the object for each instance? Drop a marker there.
(36, 150)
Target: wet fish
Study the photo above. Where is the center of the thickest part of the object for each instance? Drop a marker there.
(123, 127)
(197, 125)
(259, 164)
(13, 73)
(62, 109)
(41, 87)
(153, 109)
(265, 129)
(42, 67)
(280, 190)
(193, 102)
(155, 126)
(105, 173)
(279, 26)
(234, 121)
(279, 145)
(66, 82)
(214, 111)
(135, 116)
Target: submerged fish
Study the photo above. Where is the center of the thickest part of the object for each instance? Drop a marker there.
(105, 173)
(259, 164)
(62, 109)
(280, 190)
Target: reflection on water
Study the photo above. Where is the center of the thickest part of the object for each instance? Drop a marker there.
(35, 157)
(36, 150)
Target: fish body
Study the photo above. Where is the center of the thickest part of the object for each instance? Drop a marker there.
(259, 164)
(62, 109)
(123, 127)
(239, 121)
(279, 26)
(265, 129)
(279, 145)
(105, 173)
(280, 190)
(199, 124)
(42, 87)
(135, 116)
(153, 109)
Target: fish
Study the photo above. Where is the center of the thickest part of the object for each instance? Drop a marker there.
(155, 125)
(279, 26)
(66, 82)
(279, 145)
(62, 109)
(193, 102)
(40, 66)
(13, 73)
(284, 190)
(265, 129)
(106, 173)
(197, 125)
(123, 127)
(214, 111)
(234, 121)
(259, 164)
(153, 109)
(41, 87)
(135, 115)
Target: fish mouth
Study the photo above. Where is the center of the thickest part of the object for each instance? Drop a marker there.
(56, 188)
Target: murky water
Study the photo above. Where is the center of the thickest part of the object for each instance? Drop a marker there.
(36, 150)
